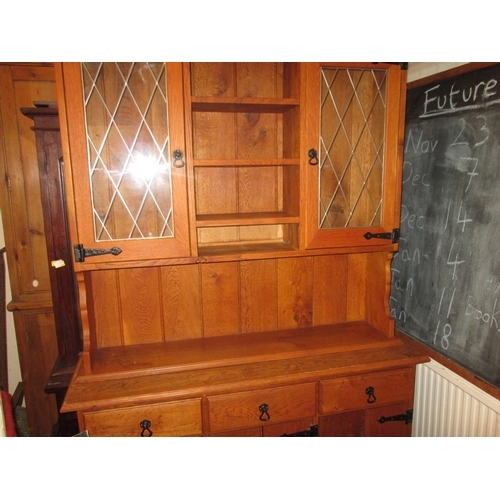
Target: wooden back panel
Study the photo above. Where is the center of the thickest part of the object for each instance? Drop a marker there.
(157, 304)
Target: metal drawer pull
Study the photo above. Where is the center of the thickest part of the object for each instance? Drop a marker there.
(145, 426)
(370, 392)
(264, 416)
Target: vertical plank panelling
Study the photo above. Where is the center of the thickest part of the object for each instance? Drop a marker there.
(259, 307)
(269, 83)
(220, 292)
(182, 316)
(330, 289)
(378, 312)
(295, 292)
(356, 287)
(19, 87)
(141, 305)
(214, 79)
(106, 308)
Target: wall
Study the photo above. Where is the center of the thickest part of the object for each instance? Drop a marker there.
(418, 70)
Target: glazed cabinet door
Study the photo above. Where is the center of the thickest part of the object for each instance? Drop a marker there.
(122, 127)
(352, 153)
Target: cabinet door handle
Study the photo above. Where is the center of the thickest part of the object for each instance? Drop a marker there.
(178, 159)
(313, 157)
(146, 426)
(264, 415)
(370, 392)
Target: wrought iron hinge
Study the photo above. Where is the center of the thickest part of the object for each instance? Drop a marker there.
(402, 65)
(81, 253)
(311, 432)
(394, 236)
(407, 418)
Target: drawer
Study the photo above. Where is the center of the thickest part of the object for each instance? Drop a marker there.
(353, 393)
(245, 409)
(180, 418)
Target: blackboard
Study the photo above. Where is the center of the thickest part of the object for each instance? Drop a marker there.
(445, 278)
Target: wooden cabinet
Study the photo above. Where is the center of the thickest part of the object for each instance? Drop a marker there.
(23, 221)
(354, 136)
(255, 310)
(123, 127)
(218, 159)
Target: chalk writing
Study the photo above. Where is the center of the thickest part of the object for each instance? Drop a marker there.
(467, 132)
(418, 145)
(441, 100)
(445, 278)
(490, 316)
(415, 179)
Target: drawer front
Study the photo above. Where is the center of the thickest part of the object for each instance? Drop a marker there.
(181, 418)
(365, 391)
(246, 409)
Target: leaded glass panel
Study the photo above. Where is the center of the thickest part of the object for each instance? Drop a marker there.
(126, 116)
(351, 150)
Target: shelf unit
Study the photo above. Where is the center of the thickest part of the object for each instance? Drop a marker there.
(245, 124)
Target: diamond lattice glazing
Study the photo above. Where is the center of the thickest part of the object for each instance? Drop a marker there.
(126, 117)
(352, 139)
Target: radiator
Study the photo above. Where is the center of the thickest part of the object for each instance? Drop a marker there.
(448, 405)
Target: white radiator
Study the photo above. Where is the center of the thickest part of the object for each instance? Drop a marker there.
(448, 405)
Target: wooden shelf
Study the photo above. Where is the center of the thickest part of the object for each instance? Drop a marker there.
(248, 162)
(242, 104)
(189, 354)
(246, 219)
(239, 250)
(152, 380)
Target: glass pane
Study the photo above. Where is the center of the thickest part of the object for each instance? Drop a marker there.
(128, 148)
(351, 150)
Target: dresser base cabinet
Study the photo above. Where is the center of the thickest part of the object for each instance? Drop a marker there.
(345, 392)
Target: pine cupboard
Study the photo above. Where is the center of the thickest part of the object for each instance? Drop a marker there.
(21, 199)
(233, 235)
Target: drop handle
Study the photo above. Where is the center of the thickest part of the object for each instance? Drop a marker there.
(146, 427)
(264, 415)
(313, 157)
(370, 392)
(178, 159)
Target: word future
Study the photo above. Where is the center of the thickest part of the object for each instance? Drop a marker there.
(444, 99)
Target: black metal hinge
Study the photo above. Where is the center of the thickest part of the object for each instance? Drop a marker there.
(311, 432)
(402, 65)
(394, 236)
(406, 417)
(81, 253)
